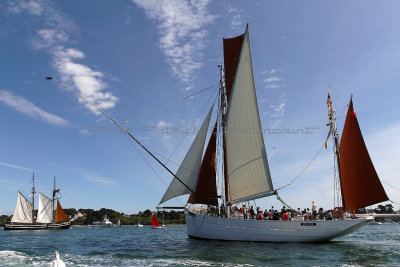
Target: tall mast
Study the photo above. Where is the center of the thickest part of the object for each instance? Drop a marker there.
(33, 197)
(335, 137)
(223, 108)
(55, 191)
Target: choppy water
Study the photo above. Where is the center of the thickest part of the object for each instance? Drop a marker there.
(132, 246)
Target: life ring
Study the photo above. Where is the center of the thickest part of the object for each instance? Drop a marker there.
(352, 212)
(338, 211)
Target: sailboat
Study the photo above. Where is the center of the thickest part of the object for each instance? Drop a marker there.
(138, 224)
(155, 224)
(245, 169)
(237, 147)
(24, 213)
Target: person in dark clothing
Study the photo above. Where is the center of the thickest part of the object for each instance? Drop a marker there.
(275, 216)
(252, 213)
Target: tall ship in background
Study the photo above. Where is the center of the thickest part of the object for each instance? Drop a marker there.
(46, 219)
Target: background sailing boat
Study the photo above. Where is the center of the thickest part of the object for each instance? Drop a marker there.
(24, 219)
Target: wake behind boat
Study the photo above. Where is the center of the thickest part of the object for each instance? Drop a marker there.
(24, 213)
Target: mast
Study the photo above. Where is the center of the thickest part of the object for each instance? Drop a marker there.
(223, 128)
(55, 191)
(335, 137)
(33, 198)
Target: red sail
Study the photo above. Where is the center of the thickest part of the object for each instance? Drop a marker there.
(60, 214)
(360, 183)
(206, 188)
(232, 48)
(154, 221)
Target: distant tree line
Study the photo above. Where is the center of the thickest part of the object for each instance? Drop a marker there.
(144, 217)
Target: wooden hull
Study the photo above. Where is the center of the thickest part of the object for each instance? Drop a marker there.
(51, 226)
(217, 228)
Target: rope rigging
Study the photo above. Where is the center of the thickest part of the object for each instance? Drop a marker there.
(172, 103)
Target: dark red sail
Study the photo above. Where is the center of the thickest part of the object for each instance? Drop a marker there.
(154, 221)
(232, 48)
(206, 188)
(360, 183)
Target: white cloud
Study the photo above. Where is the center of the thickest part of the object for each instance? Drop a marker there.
(53, 39)
(33, 7)
(163, 124)
(94, 178)
(15, 166)
(49, 37)
(181, 32)
(28, 108)
(272, 71)
(84, 131)
(272, 79)
(279, 111)
(88, 81)
(274, 86)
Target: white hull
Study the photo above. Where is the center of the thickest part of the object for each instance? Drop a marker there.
(211, 227)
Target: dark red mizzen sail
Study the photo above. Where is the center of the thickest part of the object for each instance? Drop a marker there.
(360, 183)
(206, 188)
(154, 221)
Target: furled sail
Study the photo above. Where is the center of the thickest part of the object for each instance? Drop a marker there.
(360, 183)
(60, 214)
(247, 163)
(206, 188)
(23, 210)
(189, 169)
(45, 210)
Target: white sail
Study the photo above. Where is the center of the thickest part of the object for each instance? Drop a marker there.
(45, 210)
(23, 210)
(189, 169)
(247, 163)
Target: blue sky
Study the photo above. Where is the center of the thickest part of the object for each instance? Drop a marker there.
(138, 59)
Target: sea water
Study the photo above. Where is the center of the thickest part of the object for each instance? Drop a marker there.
(376, 245)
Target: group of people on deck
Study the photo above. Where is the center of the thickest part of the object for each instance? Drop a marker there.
(273, 214)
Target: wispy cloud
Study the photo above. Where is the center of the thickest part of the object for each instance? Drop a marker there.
(53, 37)
(32, 7)
(29, 109)
(237, 20)
(94, 178)
(15, 166)
(271, 71)
(272, 79)
(182, 34)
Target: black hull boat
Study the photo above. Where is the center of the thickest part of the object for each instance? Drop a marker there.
(51, 226)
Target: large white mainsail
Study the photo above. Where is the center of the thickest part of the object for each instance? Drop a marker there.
(23, 210)
(247, 163)
(45, 210)
(189, 169)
